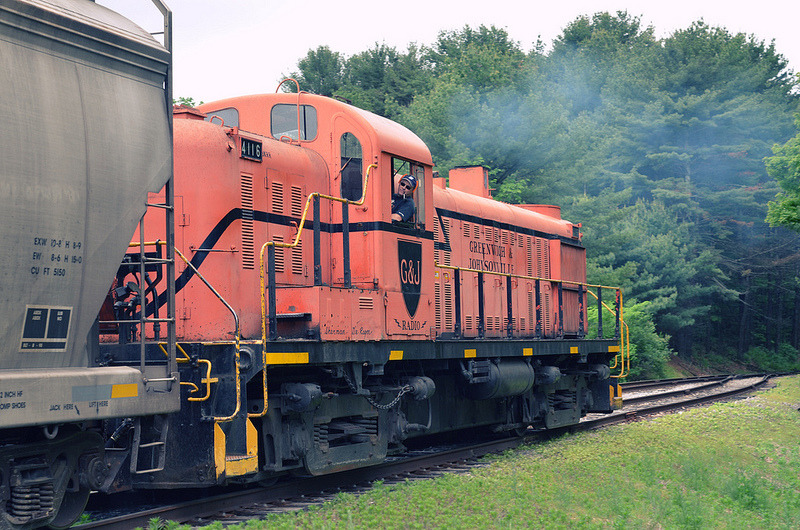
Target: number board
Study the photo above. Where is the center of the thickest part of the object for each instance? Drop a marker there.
(251, 150)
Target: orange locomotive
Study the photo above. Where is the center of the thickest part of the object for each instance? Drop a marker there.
(318, 334)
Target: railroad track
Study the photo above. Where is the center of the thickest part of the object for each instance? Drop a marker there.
(646, 399)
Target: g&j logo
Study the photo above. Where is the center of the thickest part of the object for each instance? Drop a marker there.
(409, 255)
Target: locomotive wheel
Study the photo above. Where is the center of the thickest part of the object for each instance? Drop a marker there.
(71, 508)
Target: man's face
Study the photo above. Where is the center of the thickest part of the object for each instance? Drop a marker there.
(404, 188)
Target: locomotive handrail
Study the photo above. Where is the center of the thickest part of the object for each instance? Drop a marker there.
(270, 245)
(143, 319)
(237, 337)
(207, 380)
(624, 344)
(299, 139)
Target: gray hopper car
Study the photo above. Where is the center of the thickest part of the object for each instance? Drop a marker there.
(85, 108)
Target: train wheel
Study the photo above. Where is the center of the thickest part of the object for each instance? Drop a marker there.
(71, 508)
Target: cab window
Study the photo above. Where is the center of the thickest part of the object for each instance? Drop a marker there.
(229, 116)
(402, 167)
(352, 166)
(284, 121)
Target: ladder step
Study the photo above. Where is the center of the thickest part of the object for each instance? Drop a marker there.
(151, 444)
(234, 458)
(293, 316)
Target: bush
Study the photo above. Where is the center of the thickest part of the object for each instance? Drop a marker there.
(786, 359)
(649, 351)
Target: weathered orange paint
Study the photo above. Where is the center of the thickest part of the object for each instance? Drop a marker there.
(228, 207)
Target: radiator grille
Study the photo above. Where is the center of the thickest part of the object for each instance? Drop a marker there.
(529, 249)
(297, 201)
(277, 197)
(248, 251)
(437, 306)
(448, 305)
(542, 258)
(297, 258)
(531, 310)
(279, 254)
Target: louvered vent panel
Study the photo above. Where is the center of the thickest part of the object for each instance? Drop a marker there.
(530, 269)
(468, 322)
(504, 236)
(297, 201)
(476, 231)
(279, 254)
(547, 312)
(277, 197)
(465, 227)
(248, 251)
(437, 296)
(365, 303)
(531, 310)
(448, 306)
(436, 237)
(297, 258)
(543, 257)
(445, 236)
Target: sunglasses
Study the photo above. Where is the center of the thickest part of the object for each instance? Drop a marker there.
(404, 185)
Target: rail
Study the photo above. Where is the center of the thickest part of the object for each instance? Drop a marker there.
(270, 313)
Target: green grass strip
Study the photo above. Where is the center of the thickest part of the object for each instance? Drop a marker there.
(733, 465)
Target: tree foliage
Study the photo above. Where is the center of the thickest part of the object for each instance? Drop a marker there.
(784, 167)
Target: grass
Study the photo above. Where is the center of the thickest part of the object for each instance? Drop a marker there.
(733, 465)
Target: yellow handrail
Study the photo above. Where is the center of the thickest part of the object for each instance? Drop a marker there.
(207, 379)
(624, 344)
(293, 244)
(237, 336)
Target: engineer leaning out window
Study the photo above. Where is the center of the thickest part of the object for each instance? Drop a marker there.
(403, 207)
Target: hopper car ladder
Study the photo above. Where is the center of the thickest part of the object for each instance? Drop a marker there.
(148, 448)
